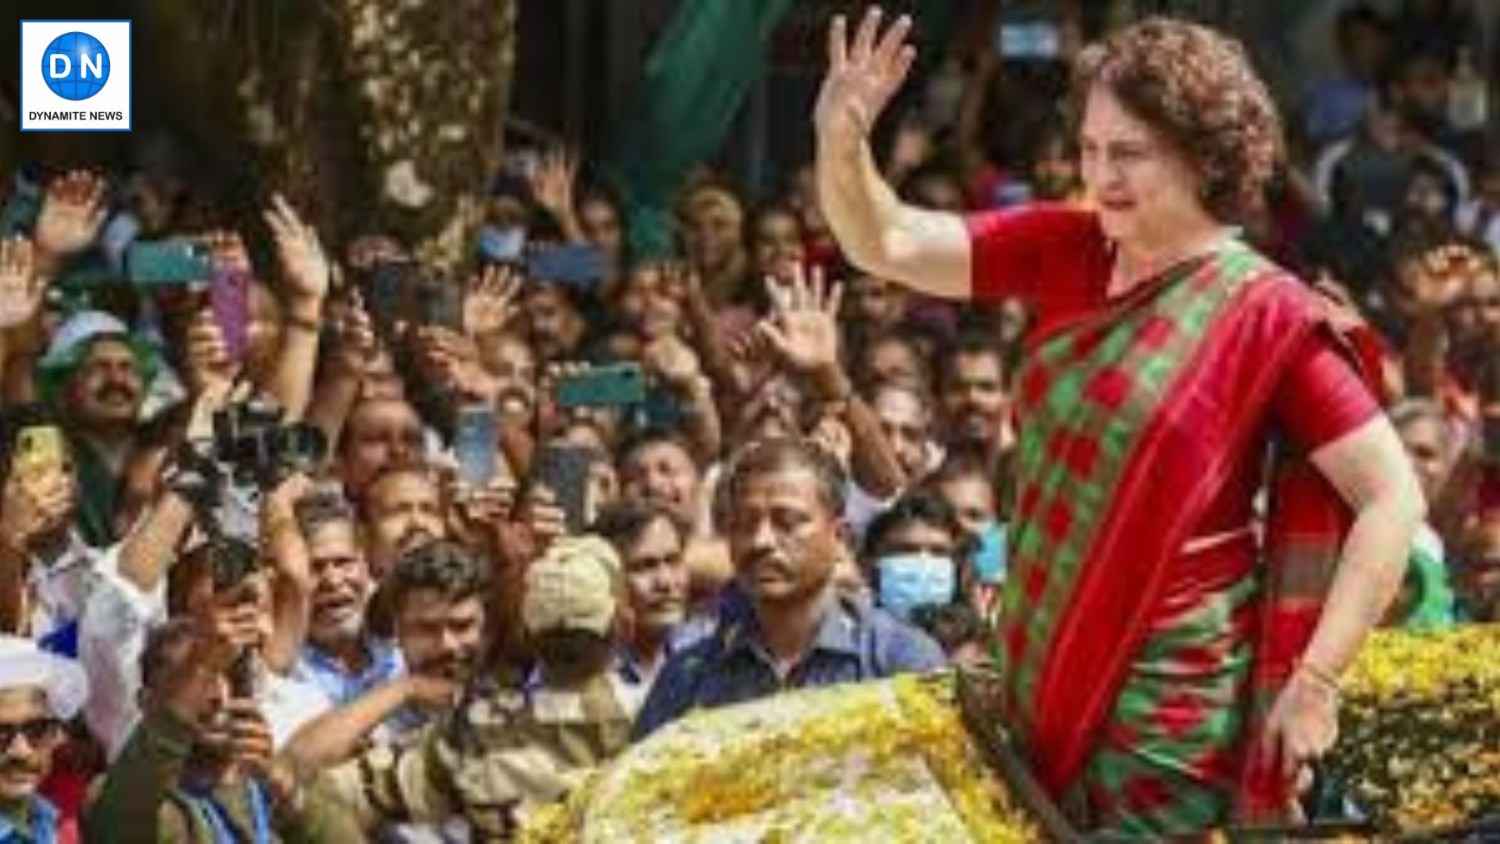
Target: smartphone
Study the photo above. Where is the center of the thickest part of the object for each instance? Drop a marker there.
(40, 452)
(442, 304)
(616, 385)
(168, 262)
(474, 444)
(394, 292)
(229, 299)
(564, 469)
(574, 264)
(1036, 40)
(21, 210)
(242, 676)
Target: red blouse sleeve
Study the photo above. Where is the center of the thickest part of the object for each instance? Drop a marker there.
(1035, 253)
(1321, 397)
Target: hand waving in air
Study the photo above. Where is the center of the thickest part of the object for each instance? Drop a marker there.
(21, 287)
(490, 302)
(71, 215)
(302, 257)
(803, 327)
(863, 75)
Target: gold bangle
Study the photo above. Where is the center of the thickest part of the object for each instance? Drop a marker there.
(309, 325)
(1323, 678)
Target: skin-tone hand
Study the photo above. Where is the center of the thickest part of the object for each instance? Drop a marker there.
(21, 286)
(803, 327)
(233, 621)
(453, 360)
(833, 437)
(1303, 725)
(673, 361)
(546, 520)
(552, 181)
(431, 693)
(31, 512)
(281, 533)
(490, 304)
(354, 336)
(208, 362)
(71, 215)
(302, 257)
(863, 75)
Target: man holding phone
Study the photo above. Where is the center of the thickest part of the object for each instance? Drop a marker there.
(95, 375)
(199, 766)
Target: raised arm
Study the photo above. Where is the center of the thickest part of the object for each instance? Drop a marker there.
(925, 250)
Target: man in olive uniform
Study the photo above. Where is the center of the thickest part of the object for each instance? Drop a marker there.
(506, 751)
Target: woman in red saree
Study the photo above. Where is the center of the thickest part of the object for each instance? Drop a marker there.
(1170, 659)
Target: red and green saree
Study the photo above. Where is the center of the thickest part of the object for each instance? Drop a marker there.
(1137, 673)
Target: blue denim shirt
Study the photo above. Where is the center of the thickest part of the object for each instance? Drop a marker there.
(319, 668)
(855, 641)
(43, 825)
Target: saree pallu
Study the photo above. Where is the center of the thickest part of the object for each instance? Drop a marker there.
(1134, 416)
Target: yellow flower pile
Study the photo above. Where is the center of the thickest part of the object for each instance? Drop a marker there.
(1421, 727)
(887, 761)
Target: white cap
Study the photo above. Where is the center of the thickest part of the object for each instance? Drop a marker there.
(77, 330)
(23, 664)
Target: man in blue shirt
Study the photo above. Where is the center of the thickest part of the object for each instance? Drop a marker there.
(783, 500)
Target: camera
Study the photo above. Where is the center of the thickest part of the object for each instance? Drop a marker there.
(253, 444)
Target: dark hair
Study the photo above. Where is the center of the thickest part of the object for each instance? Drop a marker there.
(439, 565)
(322, 508)
(969, 344)
(202, 561)
(952, 625)
(654, 435)
(623, 522)
(1197, 87)
(162, 641)
(920, 506)
(1357, 15)
(763, 457)
(961, 463)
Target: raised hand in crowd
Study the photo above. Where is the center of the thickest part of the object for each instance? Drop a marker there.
(21, 286)
(33, 509)
(803, 328)
(70, 217)
(453, 360)
(552, 184)
(490, 302)
(286, 548)
(209, 364)
(832, 435)
(308, 277)
(306, 266)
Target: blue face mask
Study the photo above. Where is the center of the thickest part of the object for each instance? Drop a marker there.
(991, 556)
(501, 245)
(908, 581)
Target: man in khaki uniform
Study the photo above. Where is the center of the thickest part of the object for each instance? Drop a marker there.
(506, 751)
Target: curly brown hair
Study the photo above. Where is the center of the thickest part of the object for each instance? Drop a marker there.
(1196, 87)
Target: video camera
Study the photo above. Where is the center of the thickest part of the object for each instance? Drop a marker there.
(251, 441)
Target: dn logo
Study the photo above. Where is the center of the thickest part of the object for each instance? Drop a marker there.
(75, 66)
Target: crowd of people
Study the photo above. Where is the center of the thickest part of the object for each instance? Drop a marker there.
(216, 634)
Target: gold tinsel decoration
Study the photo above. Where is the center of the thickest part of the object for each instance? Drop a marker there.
(887, 761)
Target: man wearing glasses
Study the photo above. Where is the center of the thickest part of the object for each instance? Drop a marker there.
(38, 692)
